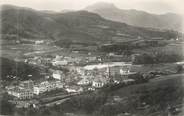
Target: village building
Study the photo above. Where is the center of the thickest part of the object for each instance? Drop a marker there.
(29, 84)
(39, 42)
(124, 71)
(47, 86)
(57, 63)
(21, 93)
(111, 54)
(91, 89)
(99, 81)
(59, 60)
(74, 89)
(58, 75)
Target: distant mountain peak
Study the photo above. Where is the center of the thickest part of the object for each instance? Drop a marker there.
(101, 5)
(137, 17)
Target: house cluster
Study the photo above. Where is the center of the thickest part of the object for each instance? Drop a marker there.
(93, 82)
(78, 79)
(38, 60)
(98, 77)
(47, 86)
(92, 77)
(69, 60)
(27, 89)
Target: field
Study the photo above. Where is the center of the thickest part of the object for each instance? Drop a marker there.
(22, 51)
(26, 49)
(170, 48)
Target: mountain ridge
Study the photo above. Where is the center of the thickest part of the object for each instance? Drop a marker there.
(74, 27)
(137, 17)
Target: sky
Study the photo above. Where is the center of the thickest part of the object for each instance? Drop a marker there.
(153, 6)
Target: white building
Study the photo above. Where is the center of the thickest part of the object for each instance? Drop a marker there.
(99, 82)
(21, 93)
(122, 71)
(39, 89)
(57, 63)
(56, 75)
(39, 42)
(74, 89)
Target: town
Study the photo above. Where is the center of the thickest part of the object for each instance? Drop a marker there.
(78, 79)
(90, 62)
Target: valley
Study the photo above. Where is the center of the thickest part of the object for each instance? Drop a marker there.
(81, 63)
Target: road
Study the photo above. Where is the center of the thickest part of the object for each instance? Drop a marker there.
(50, 101)
(57, 102)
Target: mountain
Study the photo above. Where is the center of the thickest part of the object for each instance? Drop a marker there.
(137, 18)
(79, 27)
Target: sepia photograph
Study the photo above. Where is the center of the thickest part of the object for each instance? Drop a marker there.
(91, 58)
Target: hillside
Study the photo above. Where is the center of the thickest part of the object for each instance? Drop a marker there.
(21, 70)
(79, 27)
(136, 17)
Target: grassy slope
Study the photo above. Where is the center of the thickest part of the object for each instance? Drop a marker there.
(158, 94)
